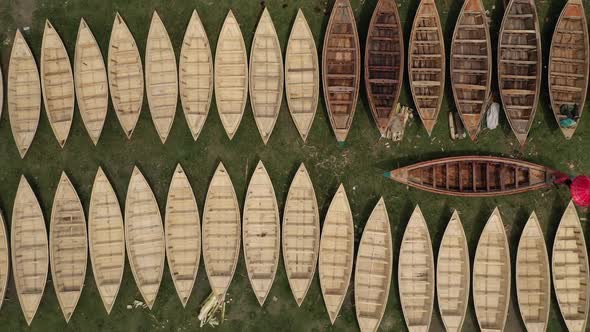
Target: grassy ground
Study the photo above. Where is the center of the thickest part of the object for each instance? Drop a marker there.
(359, 164)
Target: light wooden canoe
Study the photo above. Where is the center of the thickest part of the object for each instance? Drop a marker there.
(57, 84)
(23, 94)
(491, 275)
(144, 237)
(301, 234)
(372, 275)
(28, 238)
(416, 274)
(125, 76)
(90, 78)
(426, 63)
(302, 75)
(570, 271)
(568, 63)
(336, 253)
(453, 275)
(231, 75)
(183, 234)
(221, 232)
(261, 232)
(519, 65)
(4, 259)
(195, 70)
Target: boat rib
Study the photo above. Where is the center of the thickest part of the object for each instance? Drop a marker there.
(4, 260)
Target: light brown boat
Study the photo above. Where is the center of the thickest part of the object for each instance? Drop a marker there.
(4, 260)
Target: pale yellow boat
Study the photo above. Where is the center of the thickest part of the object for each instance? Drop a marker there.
(4, 259)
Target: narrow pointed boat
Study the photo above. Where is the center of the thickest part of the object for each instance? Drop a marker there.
(183, 234)
(144, 237)
(57, 84)
(302, 75)
(301, 234)
(4, 260)
(372, 275)
(195, 71)
(570, 271)
(231, 75)
(23, 94)
(221, 232)
(90, 78)
(341, 68)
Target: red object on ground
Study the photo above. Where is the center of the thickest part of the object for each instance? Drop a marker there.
(559, 177)
(580, 190)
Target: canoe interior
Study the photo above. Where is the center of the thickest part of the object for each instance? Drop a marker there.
(4, 260)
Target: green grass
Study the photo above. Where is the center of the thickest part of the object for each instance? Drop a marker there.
(359, 164)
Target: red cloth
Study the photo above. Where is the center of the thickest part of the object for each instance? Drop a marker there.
(580, 190)
(559, 177)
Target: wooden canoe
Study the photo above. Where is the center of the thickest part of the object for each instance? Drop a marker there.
(491, 275)
(28, 238)
(336, 253)
(231, 75)
(519, 65)
(301, 234)
(570, 271)
(494, 176)
(125, 76)
(341, 68)
(372, 275)
(23, 94)
(453, 275)
(384, 62)
(302, 75)
(426, 63)
(221, 232)
(183, 234)
(195, 71)
(144, 237)
(106, 239)
(4, 260)
(569, 64)
(90, 78)
(57, 84)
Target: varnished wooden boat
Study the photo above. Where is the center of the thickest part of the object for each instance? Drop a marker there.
(302, 75)
(231, 75)
(491, 275)
(144, 237)
(183, 234)
(341, 63)
(570, 271)
(57, 84)
(195, 71)
(519, 65)
(384, 62)
(474, 176)
(426, 63)
(336, 253)
(372, 276)
(125, 76)
(569, 63)
(4, 260)
(301, 234)
(221, 232)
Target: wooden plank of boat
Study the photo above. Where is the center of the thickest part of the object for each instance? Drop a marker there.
(453, 275)
(569, 64)
(426, 63)
(374, 263)
(4, 259)
(195, 70)
(474, 176)
(28, 238)
(144, 237)
(570, 271)
(125, 76)
(183, 234)
(301, 234)
(57, 83)
(231, 75)
(341, 63)
(23, 94)
(221, 232)
(90, 78)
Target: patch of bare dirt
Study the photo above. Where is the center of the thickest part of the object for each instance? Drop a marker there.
(22, 12)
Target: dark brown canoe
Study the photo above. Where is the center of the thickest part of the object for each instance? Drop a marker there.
(384, 62)
(341, 63)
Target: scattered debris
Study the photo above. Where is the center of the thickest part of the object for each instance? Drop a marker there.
(209, 311)
(456, 126)
(26, 28)
(397, 124)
